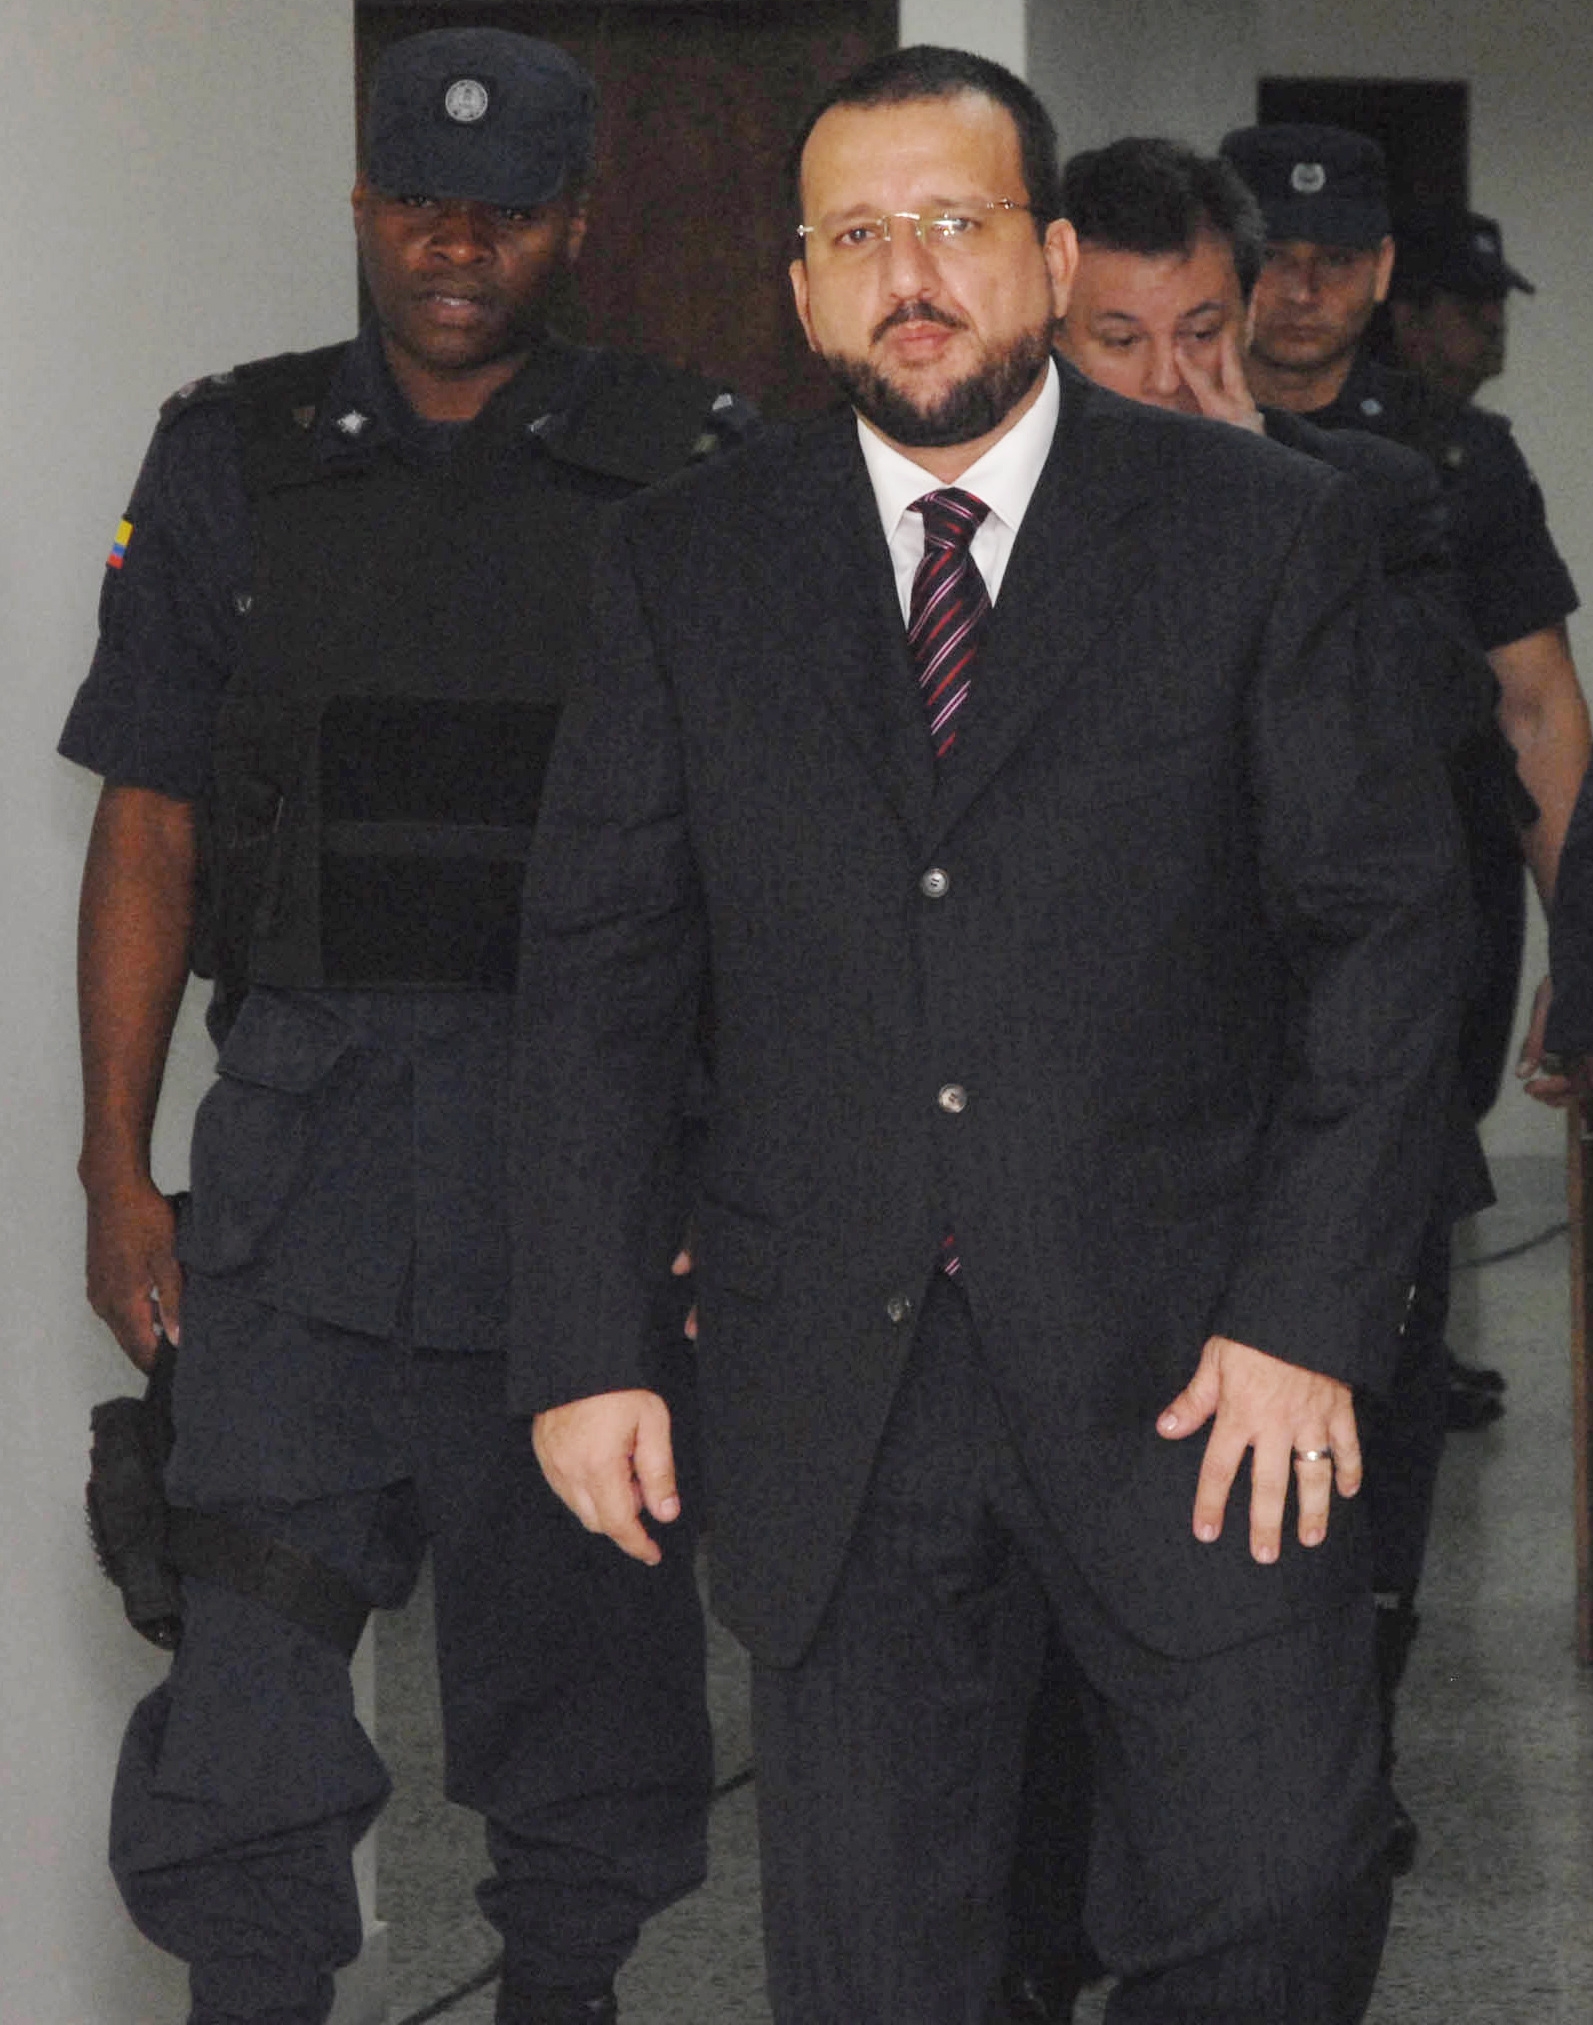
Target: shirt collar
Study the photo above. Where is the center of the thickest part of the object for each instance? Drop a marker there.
(1004, 477)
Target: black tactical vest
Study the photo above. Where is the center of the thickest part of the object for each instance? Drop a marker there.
(408, 635)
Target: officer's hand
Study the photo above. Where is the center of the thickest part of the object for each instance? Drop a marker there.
(134, 1281)
(1544, 1076)
(609, 1458)
(1279, 1412)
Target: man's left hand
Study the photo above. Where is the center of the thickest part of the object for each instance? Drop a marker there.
(1298, 1425)
(609, 1458)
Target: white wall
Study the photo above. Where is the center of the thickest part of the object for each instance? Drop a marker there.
(174, 175)
(994, 28)
(1142, 67)
(1191, 71)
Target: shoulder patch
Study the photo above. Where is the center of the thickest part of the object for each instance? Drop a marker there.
(118, 554)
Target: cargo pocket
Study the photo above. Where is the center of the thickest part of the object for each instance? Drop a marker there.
(252, 1129)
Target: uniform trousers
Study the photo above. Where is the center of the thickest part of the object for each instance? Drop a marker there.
(1236, 1874)
(571, 1680)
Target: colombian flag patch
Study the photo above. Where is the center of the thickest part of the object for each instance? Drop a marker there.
(124, 534)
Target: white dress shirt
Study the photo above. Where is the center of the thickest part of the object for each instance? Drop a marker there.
(1004, 478)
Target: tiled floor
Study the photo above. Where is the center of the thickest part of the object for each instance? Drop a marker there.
(1494, 1927)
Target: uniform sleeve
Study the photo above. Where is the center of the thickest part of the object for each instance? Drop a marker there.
(1570, 1030)
(168, 618)
(1515, 578)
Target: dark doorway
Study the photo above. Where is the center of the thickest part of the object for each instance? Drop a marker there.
(691, 235)
(1423, 129)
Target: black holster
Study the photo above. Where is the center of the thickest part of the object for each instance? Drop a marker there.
(146, 1545)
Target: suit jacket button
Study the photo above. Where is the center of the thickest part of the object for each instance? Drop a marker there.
(935, 884)
(898, 1307)
(953, 1098)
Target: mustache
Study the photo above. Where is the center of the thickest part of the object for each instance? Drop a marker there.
(916, 312)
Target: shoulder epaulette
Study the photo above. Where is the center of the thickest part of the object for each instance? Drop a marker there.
(285, 390)
(639, 420)
(279, 400)
(198, 394)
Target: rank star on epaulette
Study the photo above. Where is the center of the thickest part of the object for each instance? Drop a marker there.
(353, 424)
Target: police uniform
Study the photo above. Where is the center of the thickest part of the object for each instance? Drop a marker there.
(1514, 583)
(344, 633)
(1327, 186)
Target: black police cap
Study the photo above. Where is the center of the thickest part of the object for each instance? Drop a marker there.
(1460, 251)
(482, 114)
(1324, 184)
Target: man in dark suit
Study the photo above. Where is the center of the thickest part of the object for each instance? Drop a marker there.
(1076, 1057)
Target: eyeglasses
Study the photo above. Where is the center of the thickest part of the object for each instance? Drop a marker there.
(961, 230)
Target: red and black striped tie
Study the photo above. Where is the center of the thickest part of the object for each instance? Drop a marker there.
(949, 607)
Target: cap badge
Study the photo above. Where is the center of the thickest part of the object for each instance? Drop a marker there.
(466, 100)
(1485, 242)
(1308, 179)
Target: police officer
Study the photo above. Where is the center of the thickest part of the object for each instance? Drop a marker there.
(1329, 262)
(334, 635)
(1447, 300)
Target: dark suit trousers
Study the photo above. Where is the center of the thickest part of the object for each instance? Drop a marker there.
(1235, 1862)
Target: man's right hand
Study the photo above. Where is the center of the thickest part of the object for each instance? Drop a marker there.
(609, 1458)
(1221, 390)
(134, 923)
(134, 1280)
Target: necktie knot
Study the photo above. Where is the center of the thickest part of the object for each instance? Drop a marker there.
(951, 517)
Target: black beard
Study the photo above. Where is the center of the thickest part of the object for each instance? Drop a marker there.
(962, 414)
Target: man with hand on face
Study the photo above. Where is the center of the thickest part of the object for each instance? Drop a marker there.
(1014, 769)
(1171, 245)
(334, 640)
(1330, 259)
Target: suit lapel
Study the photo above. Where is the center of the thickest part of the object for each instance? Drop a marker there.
(836, 570)
(1073, 568)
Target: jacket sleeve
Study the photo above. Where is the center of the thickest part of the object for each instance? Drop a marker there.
(1362, 878)
(611, 987)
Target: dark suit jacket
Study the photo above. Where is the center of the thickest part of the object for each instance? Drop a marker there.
(1194, 967)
